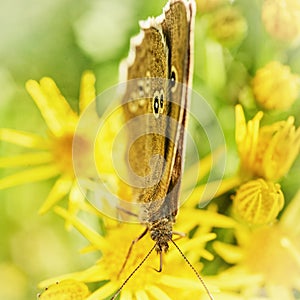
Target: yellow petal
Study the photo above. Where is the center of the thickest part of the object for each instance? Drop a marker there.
(76, 199)
(240, 124)
(32, 175)
(201, 168)
(66, 289)
(126, 295)
(60, 189)
(278, 160)
(56, 111)
(87, 207)
(276, 292)
(141, 295)
(21, 138)
(177, 282)
(88, 249)
(253, 133)
(292, 249)
(191, 244)
(87, 90)
(28, 159)
(104, 291)
(157, 293)
(203, 253)
(246, 135)
(92, 274)
(193, 217)
(231, 254)
(236, 278)
(205, 192)
(233, 296)
(92, 236)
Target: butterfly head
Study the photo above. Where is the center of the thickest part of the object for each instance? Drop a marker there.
(161, 233)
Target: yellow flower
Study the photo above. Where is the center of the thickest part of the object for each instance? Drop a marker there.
(266, 259)
(282, 19)
(228, 26)
(209, 5)
(258, 202)
(145, 283)
(275, 87)
(269, 151)
(65, 290)
(51, 156)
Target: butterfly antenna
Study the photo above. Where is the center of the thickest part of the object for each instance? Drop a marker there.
(195, 271)
(132, 273)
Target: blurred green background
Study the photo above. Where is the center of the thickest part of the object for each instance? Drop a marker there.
(61, 39)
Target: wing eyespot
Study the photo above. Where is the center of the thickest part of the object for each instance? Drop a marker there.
(158, 103)
(173, 79)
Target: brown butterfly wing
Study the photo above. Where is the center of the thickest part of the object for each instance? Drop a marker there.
(148, 167)
(156, 144)
(178, 30)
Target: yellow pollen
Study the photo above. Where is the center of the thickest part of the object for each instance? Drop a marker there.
(114, 257)
(62, 152)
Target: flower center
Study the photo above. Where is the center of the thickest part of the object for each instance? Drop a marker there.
(115, 257)
(62, 152)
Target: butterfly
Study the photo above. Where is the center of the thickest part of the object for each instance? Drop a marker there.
(158, 74)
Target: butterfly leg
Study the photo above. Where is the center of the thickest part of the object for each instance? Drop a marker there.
(180, 235)
(130, 249)
(125, 212)
(128, 212)
(160, 262)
